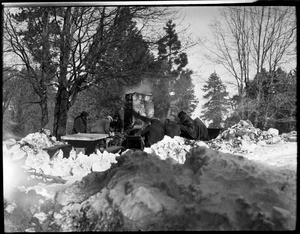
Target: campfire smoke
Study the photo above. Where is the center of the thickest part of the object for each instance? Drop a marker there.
(144, 87)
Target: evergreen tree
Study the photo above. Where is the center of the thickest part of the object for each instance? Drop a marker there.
(184, 96)
(122, 62)
(216, 107)
(120, 54)
(172, 84)
(278, 99)
(169, 50)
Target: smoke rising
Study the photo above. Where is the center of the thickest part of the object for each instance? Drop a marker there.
(144, 87)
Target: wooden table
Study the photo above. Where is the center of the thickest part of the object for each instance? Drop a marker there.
(88, 141)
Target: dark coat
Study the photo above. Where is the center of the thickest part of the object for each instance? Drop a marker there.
(153, 133)
(172, 129)
(187, 127)
(80, 125)
(202, 133)
(117, 124)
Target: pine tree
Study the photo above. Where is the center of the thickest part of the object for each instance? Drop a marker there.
(184, 95)
(169, 50)
(278, 100)
(216, 107)
(171, 63)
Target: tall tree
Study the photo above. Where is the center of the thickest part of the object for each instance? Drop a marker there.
(73, 34)
(120, 54)
(28, 34)
(273, 36)
(216, 108)
(278, 98)
(171, 62)
(286, 103)
(231, 46)
(184, 93)
(248, 39)
(169, 49)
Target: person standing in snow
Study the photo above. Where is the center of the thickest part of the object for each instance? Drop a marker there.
(80, 123)
(103, 127)
(117, 123)
(153, 133)
(187, 126)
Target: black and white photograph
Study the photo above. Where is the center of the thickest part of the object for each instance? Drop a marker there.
(138, 116)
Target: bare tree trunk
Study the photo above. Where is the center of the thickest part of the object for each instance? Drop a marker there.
(44, 107)
(61, 113)
(62, 98)
(44, 69)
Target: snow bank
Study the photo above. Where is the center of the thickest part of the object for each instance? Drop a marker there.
(174, 185)
(243, 137)
(30, 150)
(27, 159)
(210, 191)
(173, 148)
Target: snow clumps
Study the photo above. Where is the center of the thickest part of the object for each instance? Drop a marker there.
(175, 148)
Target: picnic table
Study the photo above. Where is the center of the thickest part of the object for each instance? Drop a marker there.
(85, 141)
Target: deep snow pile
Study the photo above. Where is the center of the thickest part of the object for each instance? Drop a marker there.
(210, 191)
(31, 163)
(38, 140)
(31, 144)
(174, 185)
(30, 149)
(243, 137)
(173, 148)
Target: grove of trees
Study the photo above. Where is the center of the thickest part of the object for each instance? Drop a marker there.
(253, 44)
(67, 59)
(82, 58)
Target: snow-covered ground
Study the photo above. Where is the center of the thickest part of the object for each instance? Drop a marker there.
(282, 154)
(174, 185)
